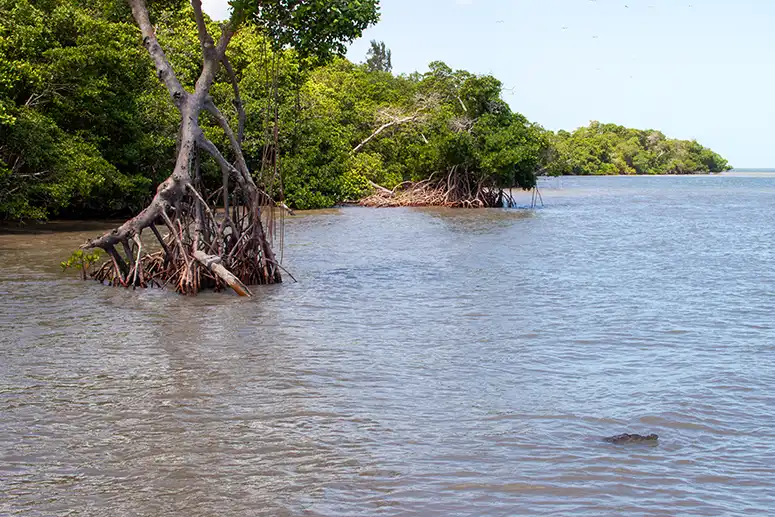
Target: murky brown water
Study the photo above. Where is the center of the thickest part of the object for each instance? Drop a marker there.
(428, 363)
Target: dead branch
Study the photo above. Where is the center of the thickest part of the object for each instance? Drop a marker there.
(213, 263)
(383, 127)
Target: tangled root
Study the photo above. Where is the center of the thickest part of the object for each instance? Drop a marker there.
(456, 190)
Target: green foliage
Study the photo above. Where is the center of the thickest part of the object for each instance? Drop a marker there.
(509, 151)
(77, 132)
(82, 260)
(612, 149)
(378, 57)
(314, 28)
(474, 130)
(371, 167)
(87, 130)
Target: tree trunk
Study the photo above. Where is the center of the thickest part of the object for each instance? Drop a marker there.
(199, 251)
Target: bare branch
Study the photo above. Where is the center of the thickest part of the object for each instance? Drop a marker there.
(121, 268)
(226, 167)
(164, 70)
(161, 241)
(211, 148)
(380, 129)
(201, 200)
(32, 101)
(139, 255)
(423, 104)
(227, 32)
(242, 166)
(205, 40)
(462, 124)
(211, 55)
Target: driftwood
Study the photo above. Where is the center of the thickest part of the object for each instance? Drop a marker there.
(213, 263)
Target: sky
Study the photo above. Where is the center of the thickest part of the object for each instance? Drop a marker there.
(702, 69)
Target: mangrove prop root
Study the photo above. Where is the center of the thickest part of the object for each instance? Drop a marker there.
(456, 189)
(189, 275)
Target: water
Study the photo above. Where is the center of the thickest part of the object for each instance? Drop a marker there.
(428, 362)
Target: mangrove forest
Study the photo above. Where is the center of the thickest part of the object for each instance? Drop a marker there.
(87, 129)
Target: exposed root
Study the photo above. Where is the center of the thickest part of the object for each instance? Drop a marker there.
(189, 273)
(456, 190)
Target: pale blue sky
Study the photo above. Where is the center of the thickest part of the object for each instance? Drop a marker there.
(693, 68)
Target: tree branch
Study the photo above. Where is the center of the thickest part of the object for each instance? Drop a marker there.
(227, 32)
(121, 268)
(164, 70)
(205, 40)
(383, 127)
(211, 148)
(164, 246)
(137, 268)
(226, 167)
(242, 166)
(212, 59)
(212, 55)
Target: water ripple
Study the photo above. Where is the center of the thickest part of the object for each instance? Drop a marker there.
(429, 362)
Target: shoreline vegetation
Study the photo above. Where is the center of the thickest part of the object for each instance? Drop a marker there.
(88, 131)
(191, 118)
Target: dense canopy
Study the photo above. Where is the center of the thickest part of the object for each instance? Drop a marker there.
(611, 149)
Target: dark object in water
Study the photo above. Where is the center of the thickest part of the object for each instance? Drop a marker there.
(632, 438)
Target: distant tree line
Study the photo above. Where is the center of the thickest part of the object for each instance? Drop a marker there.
(612, 149)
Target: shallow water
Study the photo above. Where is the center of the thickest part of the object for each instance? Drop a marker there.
(428, 362)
